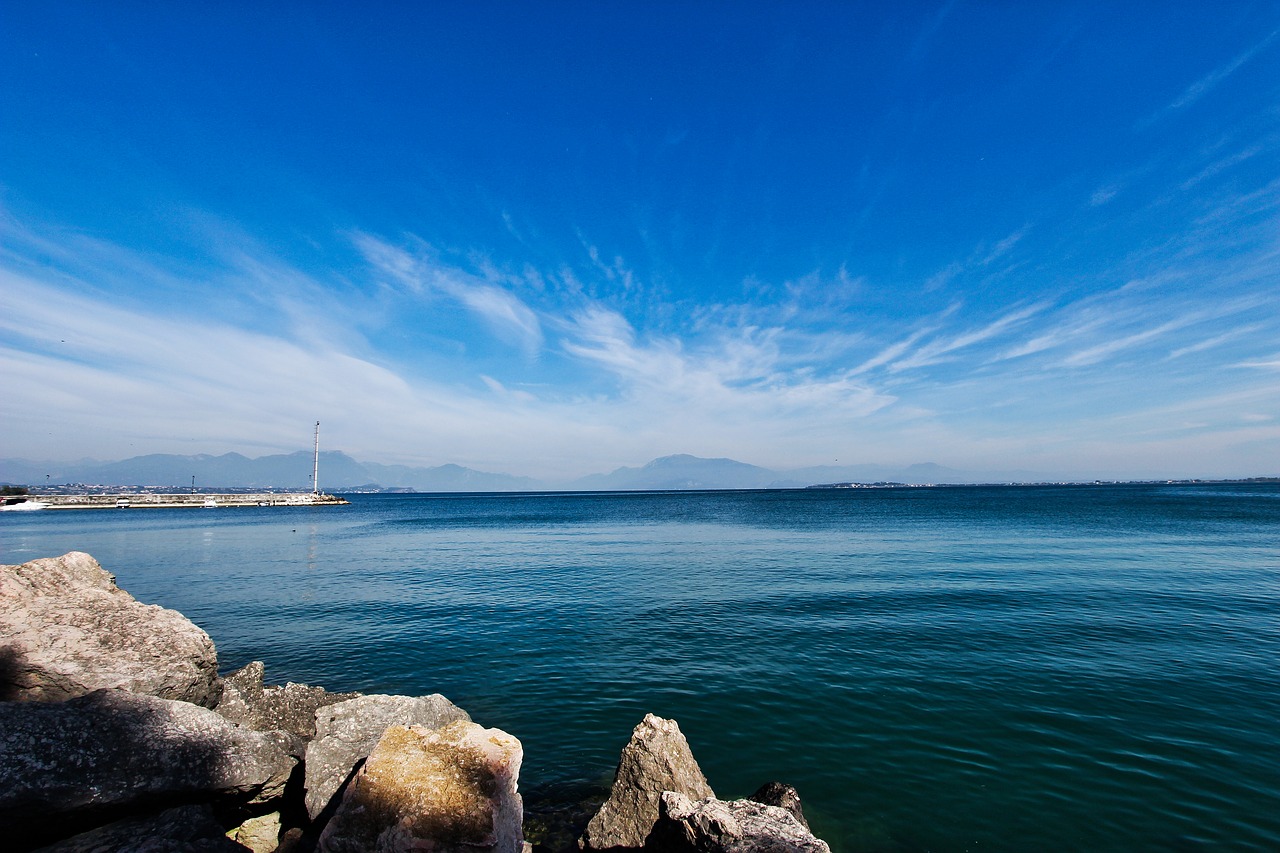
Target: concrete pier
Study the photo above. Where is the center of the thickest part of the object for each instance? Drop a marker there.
(199, 501)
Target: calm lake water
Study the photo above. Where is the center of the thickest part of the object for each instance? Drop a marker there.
(1059, 668)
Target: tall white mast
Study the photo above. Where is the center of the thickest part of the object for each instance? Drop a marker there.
(315, 471)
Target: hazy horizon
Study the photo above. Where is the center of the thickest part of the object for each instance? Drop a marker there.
(558, 241)
(716, 473)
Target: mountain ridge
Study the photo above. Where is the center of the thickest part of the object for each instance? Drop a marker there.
(340, 472)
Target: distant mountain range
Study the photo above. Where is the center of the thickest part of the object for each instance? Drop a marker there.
(339, 472)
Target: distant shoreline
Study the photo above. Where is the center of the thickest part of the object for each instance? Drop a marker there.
(1188, 482)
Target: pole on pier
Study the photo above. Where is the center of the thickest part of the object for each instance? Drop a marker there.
(315, 471)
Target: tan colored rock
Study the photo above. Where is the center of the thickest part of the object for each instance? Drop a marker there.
(260, 834)
(66, 630)
(449, 790)
(348, 731)
(656, 759)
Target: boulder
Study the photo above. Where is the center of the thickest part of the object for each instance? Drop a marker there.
(656, 759)
(778, 794)
(741, 826)
(68, 630)
(448, 790)
(91, 756)
(291, 708)
(346, 732)
(185, 829)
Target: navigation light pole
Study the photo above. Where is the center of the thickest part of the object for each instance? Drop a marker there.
(315, 471)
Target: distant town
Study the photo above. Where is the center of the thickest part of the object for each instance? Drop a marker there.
(892, 485)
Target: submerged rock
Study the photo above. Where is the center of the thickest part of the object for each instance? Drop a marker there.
(68, 630)
(449, 790)
(291, 708)
(741, 826)
(112, 749)
(785, 796)
(556, 814)
(346, 732)
(656, 759)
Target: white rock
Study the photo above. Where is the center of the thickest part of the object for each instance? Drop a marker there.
(741, 826)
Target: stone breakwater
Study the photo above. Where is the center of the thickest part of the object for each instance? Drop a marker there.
(118, 734)
(193, 500)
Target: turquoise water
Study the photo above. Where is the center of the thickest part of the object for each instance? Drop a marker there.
(1066, 668)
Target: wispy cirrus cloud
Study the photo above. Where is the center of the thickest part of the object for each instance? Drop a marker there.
(191, 376)
(983, 256)
(1221, 165)
(1210, 81)
(738, 375)
(890, 353)
(1205, 84)
(605, 338)
(1100, 351)
(506, 314)
(945, 347)
(1272, 363)
(1102, 195)
(1215, 341)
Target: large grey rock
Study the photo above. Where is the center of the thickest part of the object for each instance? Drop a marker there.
(68, 630)
(113, 749)
(656, 759)
(449, 790)
(185, 829)
(347, 732)
(291, 708)
(741, 826)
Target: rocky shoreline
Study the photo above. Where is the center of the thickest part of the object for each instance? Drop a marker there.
(118, 734)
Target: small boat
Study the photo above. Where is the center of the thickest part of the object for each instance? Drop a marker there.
(23, 506)
(210, 503)
(122, 503)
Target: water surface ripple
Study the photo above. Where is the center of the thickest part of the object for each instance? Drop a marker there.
(934, 669)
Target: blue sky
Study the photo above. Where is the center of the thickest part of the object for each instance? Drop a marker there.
(556, 239)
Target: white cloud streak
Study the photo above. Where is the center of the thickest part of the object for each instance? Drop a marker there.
(941, 349)
(506, 314)
(1099, 352)
(1210, 81)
